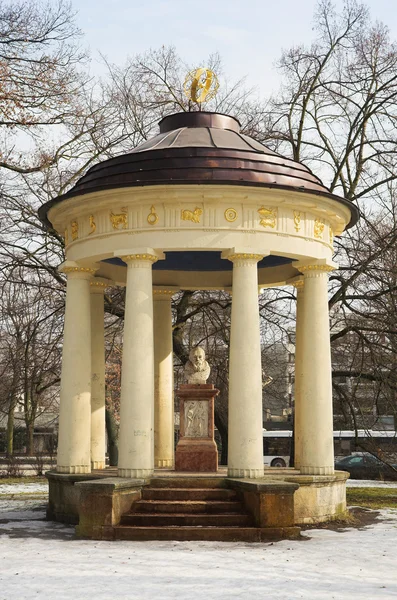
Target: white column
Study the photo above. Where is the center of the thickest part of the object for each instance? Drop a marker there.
(136, 451)
(163, 378)
(298, 370)
(316, 418)
(98, 436)
(245, 373)
(74, 441)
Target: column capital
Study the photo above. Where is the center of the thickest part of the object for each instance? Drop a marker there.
(315, 269)
(74, 270)
(133, 258)
(298, 283)
(140, 255)
(164, 292)
(243, 256)
(98, 285)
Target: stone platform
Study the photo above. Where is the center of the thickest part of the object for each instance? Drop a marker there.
(195, 506)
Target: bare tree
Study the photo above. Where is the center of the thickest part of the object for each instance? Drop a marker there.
(336, 112)
(31, 329)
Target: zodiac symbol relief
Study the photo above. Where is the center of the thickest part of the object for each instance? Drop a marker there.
(152, 217)
(120, 220)
(297, 220)
(268, 217)
(230, 215)
(75, 230)
(189, 215)
(318, 228)
(92, 224)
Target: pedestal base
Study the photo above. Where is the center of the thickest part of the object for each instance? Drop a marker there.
(196, 451)
(196, 456)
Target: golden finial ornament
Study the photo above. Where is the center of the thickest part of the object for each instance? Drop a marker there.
(200, 85)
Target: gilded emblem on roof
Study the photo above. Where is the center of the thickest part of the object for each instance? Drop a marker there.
(268, 216)
(200, 85)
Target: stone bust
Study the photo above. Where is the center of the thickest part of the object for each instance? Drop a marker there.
(197, 370)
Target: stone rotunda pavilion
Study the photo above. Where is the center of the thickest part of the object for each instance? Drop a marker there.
(198, 207)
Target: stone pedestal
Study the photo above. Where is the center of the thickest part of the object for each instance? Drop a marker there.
(196, 450)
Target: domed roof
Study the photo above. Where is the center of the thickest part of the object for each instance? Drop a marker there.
(199, 148)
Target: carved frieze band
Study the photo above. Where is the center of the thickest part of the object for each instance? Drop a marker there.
(280, 220)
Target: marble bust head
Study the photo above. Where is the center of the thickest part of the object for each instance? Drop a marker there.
(197, 369)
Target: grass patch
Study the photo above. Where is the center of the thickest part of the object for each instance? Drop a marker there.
(31, 479)
(372, 497)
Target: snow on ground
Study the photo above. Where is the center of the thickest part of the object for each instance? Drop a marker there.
(40, 559)
(23, 488)
(370, 483)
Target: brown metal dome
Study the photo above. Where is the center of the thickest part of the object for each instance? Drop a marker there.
(199, 148)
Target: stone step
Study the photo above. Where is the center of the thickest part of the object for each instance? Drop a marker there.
(152, 493)
(214, 534)
(192, 520)
(189, 482)
(187, 506)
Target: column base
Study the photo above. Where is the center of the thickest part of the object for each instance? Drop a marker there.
(165, 463)
(98, 464)
(135, 473)
(249, 473)
(74, 469)
(316, 470)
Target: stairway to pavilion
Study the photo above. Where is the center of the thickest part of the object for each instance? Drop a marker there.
(190, 509)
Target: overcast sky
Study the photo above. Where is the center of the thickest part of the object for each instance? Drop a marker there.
(248, 34)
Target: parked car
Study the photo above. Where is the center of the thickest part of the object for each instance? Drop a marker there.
(363, 465)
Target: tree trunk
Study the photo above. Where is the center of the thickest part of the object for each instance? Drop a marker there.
(10, 427)
(111, 429)
(222, 428)
(29, 438)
